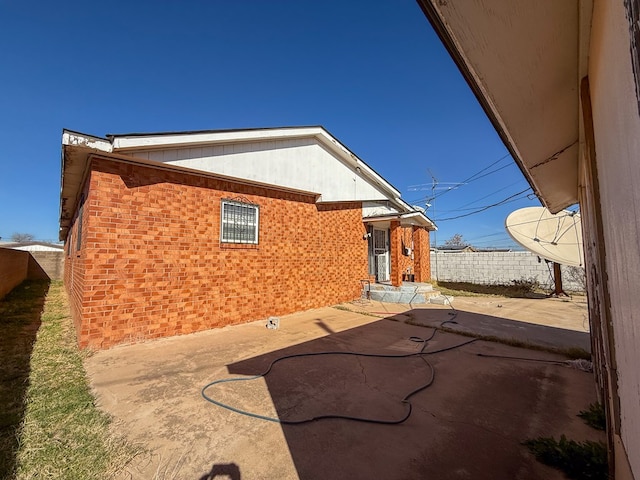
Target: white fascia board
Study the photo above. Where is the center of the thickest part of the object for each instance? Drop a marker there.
(356, 162)
(381, 218)
(138, 142)
(88, 141)
(421, 218)
(404, 205)
(418, 217)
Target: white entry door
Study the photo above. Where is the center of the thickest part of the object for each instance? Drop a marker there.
(381, 254)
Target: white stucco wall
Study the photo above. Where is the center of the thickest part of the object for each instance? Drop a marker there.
(617, 139)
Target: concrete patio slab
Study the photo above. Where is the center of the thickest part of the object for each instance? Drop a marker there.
(559, 323)
(468, 424)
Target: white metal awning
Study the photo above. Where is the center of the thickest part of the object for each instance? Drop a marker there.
(417, 219)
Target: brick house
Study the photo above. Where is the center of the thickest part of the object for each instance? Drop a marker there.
(172, 233)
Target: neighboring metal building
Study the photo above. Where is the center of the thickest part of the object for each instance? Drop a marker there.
(560, 80)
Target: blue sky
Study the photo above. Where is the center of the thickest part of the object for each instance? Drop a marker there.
(373, 73)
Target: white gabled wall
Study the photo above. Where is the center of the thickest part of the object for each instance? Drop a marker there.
(617, 140)
(296, 163)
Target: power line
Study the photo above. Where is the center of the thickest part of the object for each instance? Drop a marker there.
(489, 195)
(489, 235)
(472, 178)
(501, 202)
(478, 208)
(493, 241)
(478, 176)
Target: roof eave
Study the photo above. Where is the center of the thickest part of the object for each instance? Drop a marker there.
(552, 176)
(410, 218)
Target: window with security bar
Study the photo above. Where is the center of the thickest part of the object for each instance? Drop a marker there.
(239, 222)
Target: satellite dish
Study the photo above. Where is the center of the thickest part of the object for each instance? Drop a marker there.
(554, 237)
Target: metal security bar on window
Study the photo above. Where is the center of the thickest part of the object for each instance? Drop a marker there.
(239, 222)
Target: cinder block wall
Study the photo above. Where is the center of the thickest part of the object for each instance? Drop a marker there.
(488, 268)
(47, 264)
(14, 265)
(151, 263)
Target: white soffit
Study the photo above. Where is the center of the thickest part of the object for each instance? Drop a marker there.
(521, 59)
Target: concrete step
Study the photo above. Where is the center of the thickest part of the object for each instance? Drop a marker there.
(405, 287)
(419, 287)
(390, 296)
(408, 292)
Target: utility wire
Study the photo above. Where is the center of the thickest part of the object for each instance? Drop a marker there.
(472, 178)
(486, 236)
(502, 202)
(489, 195)
(459, 210)
(569, 214)
(477, 175)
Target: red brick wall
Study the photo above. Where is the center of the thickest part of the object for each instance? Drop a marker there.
(152, 265)
(421, 255)
(417, 263)
(75, 261)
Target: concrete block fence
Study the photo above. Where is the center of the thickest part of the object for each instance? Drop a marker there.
(18, 265)
(496, 268)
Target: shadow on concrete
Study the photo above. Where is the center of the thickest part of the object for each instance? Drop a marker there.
(223, 471)
(319, 322)
(468, 424)
(516, 331)
(20, 314)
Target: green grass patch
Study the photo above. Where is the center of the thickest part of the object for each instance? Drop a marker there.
(594, 416)
(578, 460)
(20, 313)
(342, 307)
(359, 312)
(62, 434)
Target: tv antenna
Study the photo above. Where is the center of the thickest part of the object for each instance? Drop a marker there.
(430, 202)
